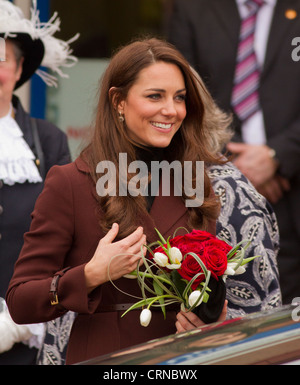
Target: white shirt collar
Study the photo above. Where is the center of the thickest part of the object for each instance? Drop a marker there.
(16, 158)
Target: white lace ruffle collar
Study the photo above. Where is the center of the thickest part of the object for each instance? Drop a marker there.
(16, 158)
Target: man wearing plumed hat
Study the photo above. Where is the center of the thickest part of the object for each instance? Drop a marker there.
(28, 148)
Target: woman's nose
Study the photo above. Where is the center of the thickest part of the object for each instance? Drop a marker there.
(169, 108)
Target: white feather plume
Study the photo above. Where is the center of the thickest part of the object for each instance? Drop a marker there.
(57, 52)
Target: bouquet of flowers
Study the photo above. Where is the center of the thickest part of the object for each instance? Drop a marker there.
(190, 270)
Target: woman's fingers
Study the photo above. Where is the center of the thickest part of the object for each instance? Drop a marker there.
(111, 259)
(134, 239)
(179, 327)
(139, 246)
(110, 235)
(131, 244)
(188, 320)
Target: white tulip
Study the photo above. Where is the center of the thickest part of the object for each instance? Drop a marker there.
(193, 297)
(175, 255)
(231, 269)
(240, 270)
(161, 259)
(145, 317)
(173, 266)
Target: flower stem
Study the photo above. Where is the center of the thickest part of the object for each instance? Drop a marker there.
(163, 296)
(143, 274)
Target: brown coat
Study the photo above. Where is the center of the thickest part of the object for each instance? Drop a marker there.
(65, 233)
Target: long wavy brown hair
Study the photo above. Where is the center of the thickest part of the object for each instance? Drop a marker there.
(200, 138)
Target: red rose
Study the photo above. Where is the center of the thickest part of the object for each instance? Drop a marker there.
(191, 242)
(211, 250)
(215, 259)
(189, 268)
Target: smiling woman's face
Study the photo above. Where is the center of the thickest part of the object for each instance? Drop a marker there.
(155, 105)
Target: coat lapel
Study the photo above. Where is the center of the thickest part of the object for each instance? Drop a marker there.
(23, 120)
(167, 213)
(279, 28)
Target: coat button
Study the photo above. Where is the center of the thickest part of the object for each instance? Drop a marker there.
(1, 209)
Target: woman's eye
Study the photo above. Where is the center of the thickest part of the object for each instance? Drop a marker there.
(154, 96)
(181, 97)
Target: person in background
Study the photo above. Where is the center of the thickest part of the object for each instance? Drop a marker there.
(28, 149)
(84, 238)
(243, 50)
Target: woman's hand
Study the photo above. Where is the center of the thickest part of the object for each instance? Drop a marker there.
(113, 260)
(189, 320)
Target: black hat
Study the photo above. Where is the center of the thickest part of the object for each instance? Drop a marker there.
(33, 53)
(36, 41)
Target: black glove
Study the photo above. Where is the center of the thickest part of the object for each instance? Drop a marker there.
(211, 310)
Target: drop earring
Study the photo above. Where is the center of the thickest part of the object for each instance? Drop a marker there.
(121, 117)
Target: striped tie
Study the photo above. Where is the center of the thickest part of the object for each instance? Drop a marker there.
(245, 99)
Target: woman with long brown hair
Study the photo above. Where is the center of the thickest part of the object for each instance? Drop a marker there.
(191, 142)
(89, 227)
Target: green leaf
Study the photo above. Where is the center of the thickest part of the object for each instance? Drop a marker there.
(247, 260)
(239, 258)
(205, 297)
(236, 248)
(179, 282)
(199, 260)
(161, 237)
(138, 304)
(180, 228)
(159, 291)
(188, 288)
(156, 278)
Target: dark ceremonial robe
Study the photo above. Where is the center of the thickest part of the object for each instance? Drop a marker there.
(17, 203)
